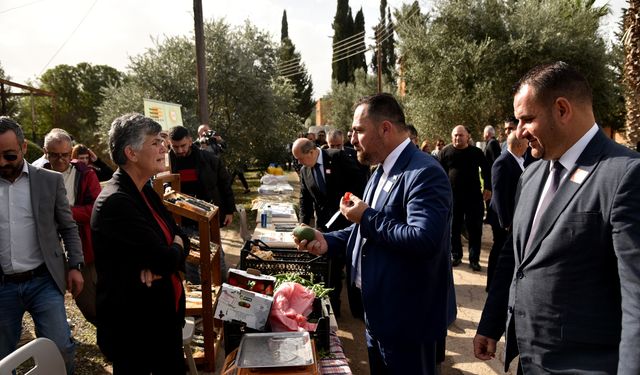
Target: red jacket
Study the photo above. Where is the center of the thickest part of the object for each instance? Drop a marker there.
(87, 191)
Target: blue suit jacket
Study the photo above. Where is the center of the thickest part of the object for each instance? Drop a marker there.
(406, 255)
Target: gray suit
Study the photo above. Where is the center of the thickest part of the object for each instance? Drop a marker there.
(574, 299)
(54, 221)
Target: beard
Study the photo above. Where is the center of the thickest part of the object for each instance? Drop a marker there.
(10, 172)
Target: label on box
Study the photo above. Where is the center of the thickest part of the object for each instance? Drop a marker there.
(244, 306)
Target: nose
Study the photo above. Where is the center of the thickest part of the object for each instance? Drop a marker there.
(354, 138)
(520, 130)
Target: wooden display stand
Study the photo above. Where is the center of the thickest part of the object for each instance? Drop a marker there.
(210, 277)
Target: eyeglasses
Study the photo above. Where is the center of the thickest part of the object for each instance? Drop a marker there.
(9, 157)
(57, 155)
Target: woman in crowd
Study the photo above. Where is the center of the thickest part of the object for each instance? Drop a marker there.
(84, 154)
(139, 251)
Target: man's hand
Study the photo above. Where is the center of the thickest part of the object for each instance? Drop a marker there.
(92, 155)
(486, 195)
(353, 208)
(318, 246)
(228, 219)
(75, 282)
(484, 348)
(147, 277)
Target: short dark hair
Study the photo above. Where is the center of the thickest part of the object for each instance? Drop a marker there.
(129, 130)
(553, 80)
(78, 150)
(9, 124)
(412, 130)
(383, 107)
(511, 120)
(178, 133)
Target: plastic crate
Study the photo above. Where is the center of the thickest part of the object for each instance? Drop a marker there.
(320, 316)
(302, 263)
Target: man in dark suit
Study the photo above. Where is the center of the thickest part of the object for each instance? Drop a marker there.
(492, 148)
(573, 305)
(505, 174)
(35, 269)
(399, 245)
(326, 175)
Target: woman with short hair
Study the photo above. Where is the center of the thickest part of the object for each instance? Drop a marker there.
(139, 252)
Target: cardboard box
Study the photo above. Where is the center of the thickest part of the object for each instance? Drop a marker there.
(258, 283)
(237, 304)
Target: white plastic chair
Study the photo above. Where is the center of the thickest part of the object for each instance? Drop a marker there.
(45, 354)
(187, 336)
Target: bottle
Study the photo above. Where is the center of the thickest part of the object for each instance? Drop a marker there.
(269, 214)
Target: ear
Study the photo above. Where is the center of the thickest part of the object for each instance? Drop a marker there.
(130, 153)
(24, 148)
(386, 126)
(563, 109)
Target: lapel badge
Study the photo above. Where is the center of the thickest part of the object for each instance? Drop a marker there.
(327, 171)
(579, 175)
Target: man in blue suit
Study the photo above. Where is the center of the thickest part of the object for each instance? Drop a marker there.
(399, 243)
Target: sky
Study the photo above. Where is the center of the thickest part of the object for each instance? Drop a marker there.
(39, 34)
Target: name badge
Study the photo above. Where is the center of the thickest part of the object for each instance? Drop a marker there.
(579, 175)
(327, 171)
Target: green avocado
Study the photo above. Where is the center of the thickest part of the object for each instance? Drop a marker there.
(304, 233)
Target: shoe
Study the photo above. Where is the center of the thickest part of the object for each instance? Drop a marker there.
(456, 262)
(475, 266)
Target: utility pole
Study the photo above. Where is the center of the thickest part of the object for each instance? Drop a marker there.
(201, 72)
(379, 59)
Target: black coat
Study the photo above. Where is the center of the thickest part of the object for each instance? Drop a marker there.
(341, 175)
(136, 322)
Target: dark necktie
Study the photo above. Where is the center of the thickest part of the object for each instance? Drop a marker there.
(317, 174)
(374, 185)
(556, 174)
(360, 241)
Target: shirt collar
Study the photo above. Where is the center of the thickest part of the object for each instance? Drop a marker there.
(569, 158)
(391, 159)
(319, 159)
(519, 159)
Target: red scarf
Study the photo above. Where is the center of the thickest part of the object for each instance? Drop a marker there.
(177, 284)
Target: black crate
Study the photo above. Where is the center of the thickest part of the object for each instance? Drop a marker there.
(302, 263)
(320, 315)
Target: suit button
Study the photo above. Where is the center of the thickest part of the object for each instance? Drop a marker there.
(520, 274)
(510, 309)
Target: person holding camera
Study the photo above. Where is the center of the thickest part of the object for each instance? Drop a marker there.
(210, 140)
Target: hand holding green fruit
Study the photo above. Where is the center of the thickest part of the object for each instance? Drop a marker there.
(303, 232)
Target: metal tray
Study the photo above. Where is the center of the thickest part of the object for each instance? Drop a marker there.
(275, 349)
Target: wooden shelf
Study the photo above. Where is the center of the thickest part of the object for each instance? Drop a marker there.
(206, 215)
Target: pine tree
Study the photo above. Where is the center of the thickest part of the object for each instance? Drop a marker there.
(284, 29)
(292, 68)
(384, 31)
(359, 60)
(340, 69)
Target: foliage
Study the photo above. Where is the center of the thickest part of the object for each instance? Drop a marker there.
(291, 67)
(11, 104)
(33, 151)
(78, 95)
(384, 31)
(344, 95)
(249, 106)
(630, 40)
(359, 60)
(342, 29)
(462, 60)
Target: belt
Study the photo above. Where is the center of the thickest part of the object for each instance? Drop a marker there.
(22, 277)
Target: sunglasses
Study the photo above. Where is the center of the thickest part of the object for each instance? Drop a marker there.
(9, 157)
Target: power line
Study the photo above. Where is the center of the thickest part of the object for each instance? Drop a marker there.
(19, 6)
(345, 40)
(285, 65)
(69, 37)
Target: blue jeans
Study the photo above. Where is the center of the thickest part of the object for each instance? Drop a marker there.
(41, 297)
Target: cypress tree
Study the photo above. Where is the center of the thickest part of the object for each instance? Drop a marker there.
(340, 69)
(292, 68)
(359, 60)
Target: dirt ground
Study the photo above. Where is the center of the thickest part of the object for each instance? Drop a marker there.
(470, 296)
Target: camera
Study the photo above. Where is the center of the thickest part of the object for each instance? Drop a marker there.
(208, 138)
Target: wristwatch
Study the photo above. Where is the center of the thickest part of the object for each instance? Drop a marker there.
(78, 267)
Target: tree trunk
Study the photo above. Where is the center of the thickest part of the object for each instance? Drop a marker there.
(631, 74)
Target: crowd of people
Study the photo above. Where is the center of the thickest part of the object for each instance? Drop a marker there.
(561, 198)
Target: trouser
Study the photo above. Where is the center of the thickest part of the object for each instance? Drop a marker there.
(86, 300)
(335, 282)
(467, 210)
(41, 297)
(400, 357)
(499, 238)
